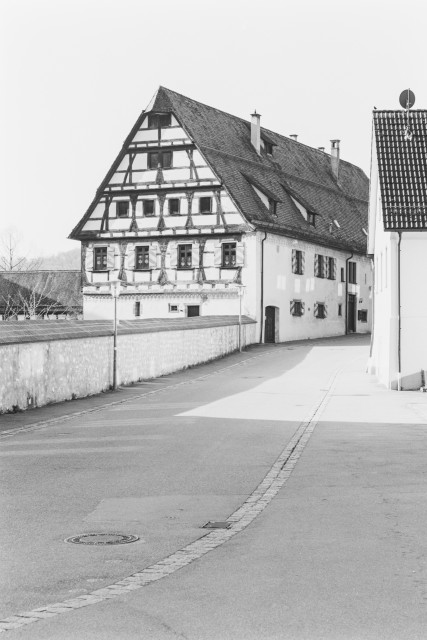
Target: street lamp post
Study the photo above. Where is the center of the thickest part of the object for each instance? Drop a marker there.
(115, 292)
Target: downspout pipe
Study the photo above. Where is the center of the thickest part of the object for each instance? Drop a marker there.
(346, 292)
(399, 331)
(261, 333)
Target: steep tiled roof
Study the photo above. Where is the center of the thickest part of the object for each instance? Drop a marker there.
(401, 144)
(54, 290)
(294, 169)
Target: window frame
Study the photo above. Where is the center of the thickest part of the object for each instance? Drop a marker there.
(187, 250)
(232, 248)
(299, 271)
(160, 160)
(201, 210)
(157, 118)
(297, 308)
(103, 251)
(352, 272)
(144, 205)
(144, 250)
(174, 213)
(119, 205)
(311, 219)
(320, 306)
(330, 268)
(137, 309)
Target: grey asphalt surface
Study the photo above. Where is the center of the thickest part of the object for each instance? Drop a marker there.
(339, 553)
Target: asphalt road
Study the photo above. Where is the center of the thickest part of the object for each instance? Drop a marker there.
(339, 552)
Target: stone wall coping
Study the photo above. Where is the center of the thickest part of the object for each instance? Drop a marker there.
(26, 331)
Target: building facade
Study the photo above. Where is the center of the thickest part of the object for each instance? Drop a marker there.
(203, 213)
(398, 244)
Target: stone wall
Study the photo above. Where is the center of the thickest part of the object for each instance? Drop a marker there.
(38, 373)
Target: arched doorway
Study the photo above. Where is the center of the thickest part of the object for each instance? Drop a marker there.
(271, 324)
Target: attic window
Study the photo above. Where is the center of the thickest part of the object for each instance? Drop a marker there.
(267, 200)
(156, 120)
(272, 205)
(268, 148)
(311, 218)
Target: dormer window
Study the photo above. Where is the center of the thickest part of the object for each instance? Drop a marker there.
(156, 120)
(311, 218)
(268, 148)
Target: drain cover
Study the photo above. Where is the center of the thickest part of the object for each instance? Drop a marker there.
(217, 525)
(101, 538)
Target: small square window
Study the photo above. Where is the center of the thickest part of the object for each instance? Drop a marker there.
(142, 257)
(362, 315)
(148, 207)
(311, 219)
(229, 254)
(159, 120)
(100, 259)
(122, 209)
(173, 308)
(185, 255)
(174, 206)
(205, 204)
(162, 158)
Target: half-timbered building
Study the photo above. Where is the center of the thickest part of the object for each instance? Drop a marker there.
(204, 213)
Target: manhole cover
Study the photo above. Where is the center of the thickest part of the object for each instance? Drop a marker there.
(102, 538)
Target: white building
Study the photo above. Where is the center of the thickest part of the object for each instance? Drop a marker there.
(201, 205)
(398, 242)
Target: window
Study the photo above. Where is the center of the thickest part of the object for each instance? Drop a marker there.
(148, 207)
(311, 219)
(268, 148)
(156, 120)
(162, 158)
(342, 274)
(319, 265)
(320, 310)
(352, 272)
(184, 256)
(122, 209)
(228, 254)
(137, 309)
(100, 259)
(297, 261)
(174, 206)
(297, 308)
(362, 315)
(205, 204)
(340, 309)
(272, 205)
(331, 268)
(142, 257)
(173, 308)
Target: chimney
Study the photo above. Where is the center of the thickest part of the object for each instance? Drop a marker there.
(256, 131)
(335, 157)
(294, 136)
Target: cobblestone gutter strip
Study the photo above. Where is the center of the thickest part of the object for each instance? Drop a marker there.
(35, 426)
(239, 520)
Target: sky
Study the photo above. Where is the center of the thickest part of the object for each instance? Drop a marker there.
(76, 74)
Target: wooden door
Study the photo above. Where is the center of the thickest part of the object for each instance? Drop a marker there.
(193, 310)
(270, 324)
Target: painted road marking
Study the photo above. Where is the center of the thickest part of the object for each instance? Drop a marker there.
(239, 520)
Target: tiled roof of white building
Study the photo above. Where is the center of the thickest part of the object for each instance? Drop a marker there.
(401, 144)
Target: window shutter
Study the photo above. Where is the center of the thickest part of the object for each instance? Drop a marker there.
(302, 308)
(294, 261)
(110, 258)
(325, 312)
(130, 259)
(334, 274)
(152, 256)
(325, 269)
(195, 255)
(89, 259)
(316, 310)
(217, 255)
(173, 250)
(316, 264)
(302, 263)
(292, 306)
(240, 254)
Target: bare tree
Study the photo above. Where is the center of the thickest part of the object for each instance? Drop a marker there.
(11, 256)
